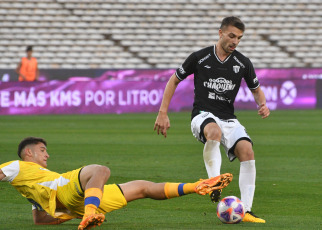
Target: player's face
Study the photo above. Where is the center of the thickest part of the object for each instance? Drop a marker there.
(229, 38)
(39, 154)
(29, 54)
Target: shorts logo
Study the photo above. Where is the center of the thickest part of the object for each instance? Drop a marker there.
(181, 70)
(205, 115)
(236, 68)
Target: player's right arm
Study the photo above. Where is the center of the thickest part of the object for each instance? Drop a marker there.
(2, 175)
(162, 123)
(43, 218)
(18, 70)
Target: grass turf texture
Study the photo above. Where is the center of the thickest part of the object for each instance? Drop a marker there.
(288, 161)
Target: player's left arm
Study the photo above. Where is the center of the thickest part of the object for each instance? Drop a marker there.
(260, 99)
(254, 86)
(40, 217)
(43, 218)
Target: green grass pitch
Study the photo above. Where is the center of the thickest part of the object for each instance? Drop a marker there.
(288, 147)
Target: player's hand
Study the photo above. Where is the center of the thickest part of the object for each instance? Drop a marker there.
(263, 111)
(162, 123)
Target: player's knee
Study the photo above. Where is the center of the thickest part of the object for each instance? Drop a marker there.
(244, 151)
(246, 155)
(100, 171)
(249, 154)
(104, 171)
(213, 134)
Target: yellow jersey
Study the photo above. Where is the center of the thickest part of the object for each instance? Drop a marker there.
(39, 185)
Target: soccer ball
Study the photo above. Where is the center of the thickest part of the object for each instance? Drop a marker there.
(230, 210)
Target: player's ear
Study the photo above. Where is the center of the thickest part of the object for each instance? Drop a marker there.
(27, 152)
(220, 33)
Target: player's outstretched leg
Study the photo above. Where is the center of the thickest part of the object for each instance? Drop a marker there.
(215, 183)
(139, 189)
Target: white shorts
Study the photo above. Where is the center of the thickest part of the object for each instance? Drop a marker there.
(232, 132)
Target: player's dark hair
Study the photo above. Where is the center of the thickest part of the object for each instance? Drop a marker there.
(29, 141)
(232, 21)
(29, 48)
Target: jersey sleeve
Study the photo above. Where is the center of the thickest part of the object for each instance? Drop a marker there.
(250, 76)
(187, 68)
(11, 170)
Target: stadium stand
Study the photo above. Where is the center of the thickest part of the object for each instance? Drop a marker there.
(156, 33)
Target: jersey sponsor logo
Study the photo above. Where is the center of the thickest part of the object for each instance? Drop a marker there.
(212, 95)
(236, 68)
(219, 85)
(43, 169)
(203, 59)
(239, 62)
(255, 80)
(181, 70)
(217, 97)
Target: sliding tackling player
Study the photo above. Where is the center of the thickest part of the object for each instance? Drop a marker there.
(82, 193)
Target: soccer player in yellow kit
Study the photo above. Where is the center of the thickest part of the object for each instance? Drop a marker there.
(82, 193)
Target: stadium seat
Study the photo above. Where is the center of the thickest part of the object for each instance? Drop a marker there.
(156, 33)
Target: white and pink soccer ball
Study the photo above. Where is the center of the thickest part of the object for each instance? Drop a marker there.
(231, 210)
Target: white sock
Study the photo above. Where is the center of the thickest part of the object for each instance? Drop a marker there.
(247, 177)
(212, 158)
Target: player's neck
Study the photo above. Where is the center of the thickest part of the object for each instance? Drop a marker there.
(33, 161)
(221, 54)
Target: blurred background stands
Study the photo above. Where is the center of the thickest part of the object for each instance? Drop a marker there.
(156, 33)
